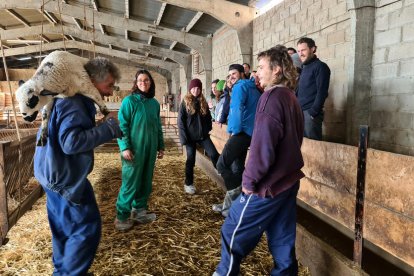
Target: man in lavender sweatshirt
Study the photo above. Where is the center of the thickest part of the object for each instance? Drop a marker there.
(271, 178)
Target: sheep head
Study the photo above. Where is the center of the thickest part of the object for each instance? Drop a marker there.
(32, 97)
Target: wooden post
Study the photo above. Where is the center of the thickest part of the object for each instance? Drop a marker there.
(360, 194)
(4, 224)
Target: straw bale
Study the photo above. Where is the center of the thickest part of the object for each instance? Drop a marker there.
(184, 240)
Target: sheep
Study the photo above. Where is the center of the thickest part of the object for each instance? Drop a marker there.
(60, 74)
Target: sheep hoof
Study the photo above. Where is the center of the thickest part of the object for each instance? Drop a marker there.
(41, 142)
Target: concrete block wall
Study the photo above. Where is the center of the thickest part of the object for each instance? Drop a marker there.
(226, 51)
(392, 99)
(183, 83)
(128, 76)
(328, 23)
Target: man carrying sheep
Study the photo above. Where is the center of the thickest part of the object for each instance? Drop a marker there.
(62, 167)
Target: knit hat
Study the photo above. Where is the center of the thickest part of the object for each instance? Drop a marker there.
(296, 60)
(220, 85)
(237, 67)
(195, 83)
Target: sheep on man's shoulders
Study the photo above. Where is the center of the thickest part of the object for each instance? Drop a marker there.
(61, 74)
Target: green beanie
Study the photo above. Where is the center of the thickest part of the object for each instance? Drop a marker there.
(220, 85)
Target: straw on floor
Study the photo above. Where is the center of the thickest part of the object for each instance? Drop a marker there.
(184, 240)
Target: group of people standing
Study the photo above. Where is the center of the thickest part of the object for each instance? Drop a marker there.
(267, 112)
(270, 112)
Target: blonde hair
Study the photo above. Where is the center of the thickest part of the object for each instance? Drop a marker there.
(190, 104)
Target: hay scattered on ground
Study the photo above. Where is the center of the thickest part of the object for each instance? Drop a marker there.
(184, 240)
(20, 195)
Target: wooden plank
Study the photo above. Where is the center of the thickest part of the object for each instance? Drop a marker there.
(4, 86)
(334, 165)
(218, 143)
(205, 164)
(20, 74)
(390, 181)
(4, 226)
(330, 188)
(329, 185)
(338, 205)
(320, 257)
(390, 231)
(390, 210)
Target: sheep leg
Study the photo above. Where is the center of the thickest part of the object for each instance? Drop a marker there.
(41, 142)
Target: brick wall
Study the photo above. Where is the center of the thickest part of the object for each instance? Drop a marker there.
(392, 102)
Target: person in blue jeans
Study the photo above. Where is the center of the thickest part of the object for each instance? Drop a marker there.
(62, 167)
(271, 178)
(194, 125)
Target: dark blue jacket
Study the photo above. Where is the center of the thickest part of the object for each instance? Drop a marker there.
(67, 159)
(243, 104)
(313, 86)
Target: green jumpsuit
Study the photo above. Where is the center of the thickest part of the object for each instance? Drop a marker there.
(140, 123)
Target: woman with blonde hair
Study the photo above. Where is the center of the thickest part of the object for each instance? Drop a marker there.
(194, 125)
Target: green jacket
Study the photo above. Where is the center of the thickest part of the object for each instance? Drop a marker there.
(140, 122)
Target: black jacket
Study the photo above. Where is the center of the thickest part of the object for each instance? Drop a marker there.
(193, 128)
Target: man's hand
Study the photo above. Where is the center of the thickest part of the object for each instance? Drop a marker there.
(128, 155)
(246, 192)
(160, 154)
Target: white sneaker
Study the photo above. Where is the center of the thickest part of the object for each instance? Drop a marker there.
(189, 189)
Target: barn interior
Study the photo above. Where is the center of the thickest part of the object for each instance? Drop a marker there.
(364, 161)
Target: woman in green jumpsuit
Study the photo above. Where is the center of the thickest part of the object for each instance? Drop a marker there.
(139, 120)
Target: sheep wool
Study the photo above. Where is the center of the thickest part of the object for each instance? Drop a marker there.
(61, 74)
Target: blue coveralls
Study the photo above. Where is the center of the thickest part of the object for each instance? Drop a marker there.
(62, 167)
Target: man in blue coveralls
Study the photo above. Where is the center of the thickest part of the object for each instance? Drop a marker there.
(62, 167)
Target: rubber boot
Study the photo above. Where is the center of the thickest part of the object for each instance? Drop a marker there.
(228, 199)
(141, 216)
(217, 207)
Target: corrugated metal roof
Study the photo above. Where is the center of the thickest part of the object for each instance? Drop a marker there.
(176, 17)
(143, 11)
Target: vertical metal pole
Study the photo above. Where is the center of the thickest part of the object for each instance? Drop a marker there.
(360, 193)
